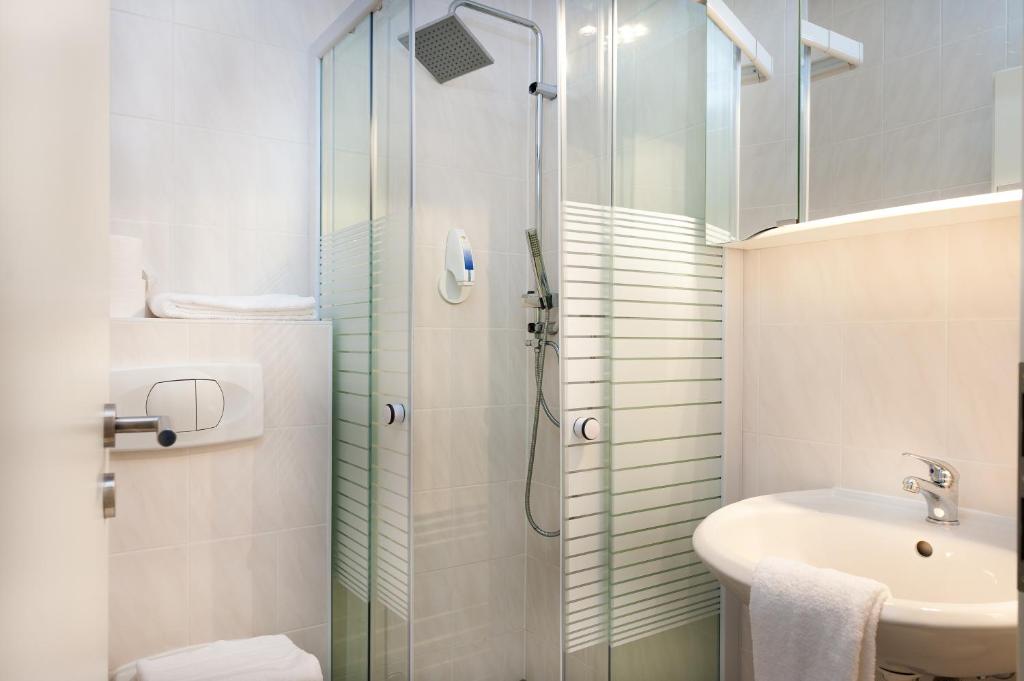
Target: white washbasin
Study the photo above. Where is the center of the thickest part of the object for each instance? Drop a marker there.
(951, 614)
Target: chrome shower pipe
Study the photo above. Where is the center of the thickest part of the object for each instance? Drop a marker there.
(541, 95)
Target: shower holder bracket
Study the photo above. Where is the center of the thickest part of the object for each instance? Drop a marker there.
(545, 90)
(532, 299)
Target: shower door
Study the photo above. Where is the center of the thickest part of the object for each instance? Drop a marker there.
(642, 334)
(365, 291)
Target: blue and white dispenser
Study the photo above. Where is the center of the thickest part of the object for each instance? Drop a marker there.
(456, 281)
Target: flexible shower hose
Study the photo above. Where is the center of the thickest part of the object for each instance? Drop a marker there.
(538, 372)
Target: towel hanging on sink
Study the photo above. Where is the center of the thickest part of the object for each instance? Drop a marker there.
(809, 624)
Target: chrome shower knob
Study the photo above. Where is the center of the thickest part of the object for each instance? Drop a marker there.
(586, 428)
(393, 413)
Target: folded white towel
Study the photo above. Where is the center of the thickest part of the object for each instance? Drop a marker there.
(264, 658)
(809, 624)
(196, 306)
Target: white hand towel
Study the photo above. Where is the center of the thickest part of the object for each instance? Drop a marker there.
(264, 658)
(196, 306)
(809, 624)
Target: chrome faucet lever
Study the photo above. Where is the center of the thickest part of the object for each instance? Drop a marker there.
(941, 491)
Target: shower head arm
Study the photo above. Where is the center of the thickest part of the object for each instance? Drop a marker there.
(511, 18)
(538, 79)
(494, 12)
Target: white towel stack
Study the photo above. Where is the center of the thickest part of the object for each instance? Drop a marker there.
(264, 658)
(196, 306)
(809, 624)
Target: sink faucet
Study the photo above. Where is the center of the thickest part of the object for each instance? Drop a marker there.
(941, 492)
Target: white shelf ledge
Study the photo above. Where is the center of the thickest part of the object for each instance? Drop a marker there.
(912, 216)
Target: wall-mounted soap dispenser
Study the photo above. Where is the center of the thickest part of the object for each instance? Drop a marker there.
(456, 281)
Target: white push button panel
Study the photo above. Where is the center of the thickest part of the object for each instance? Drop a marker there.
(204, 404)
(209, 404)
(176, 401)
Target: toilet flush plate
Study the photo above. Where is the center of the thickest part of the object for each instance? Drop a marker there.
(204, 403)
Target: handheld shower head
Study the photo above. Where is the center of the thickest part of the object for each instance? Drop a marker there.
(539, 271)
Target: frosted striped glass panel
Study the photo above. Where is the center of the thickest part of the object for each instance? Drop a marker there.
(666, 420)
(389, 376)
(586, 351)
(345, 300)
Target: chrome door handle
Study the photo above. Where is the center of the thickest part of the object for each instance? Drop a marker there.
(109, 487)
(114, 424)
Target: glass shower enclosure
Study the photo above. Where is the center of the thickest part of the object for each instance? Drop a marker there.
(436, 573)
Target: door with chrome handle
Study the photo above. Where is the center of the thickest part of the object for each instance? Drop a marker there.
(114, 425)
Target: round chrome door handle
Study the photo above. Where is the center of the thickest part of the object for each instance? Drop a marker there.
(587, 428)
(394, 413)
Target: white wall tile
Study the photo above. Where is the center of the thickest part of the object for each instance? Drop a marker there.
(232, 588)
(235, 84)
(292, 475)
(221, 491)
(432, 443)
(987, 487)
(913, 89)
(899, 275)
(857, 103)
(800, 381)
(200, 261)
(911, 26)
(138, 342)
(798, 283)
(966, 144)
(984, 258)
(857, 166)
(302, 559)
(141, 176)
(911, 159)
(214, 82)
(787, 465)
(964, 19)
(877, 470)
(148, 603)
(140, 64)
(152, 500)
(983, 390)
(895, 390)
(967, 68)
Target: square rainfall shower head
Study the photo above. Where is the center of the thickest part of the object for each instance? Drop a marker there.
(447, 49)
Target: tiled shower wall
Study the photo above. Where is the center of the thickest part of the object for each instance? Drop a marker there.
(859, 349)
(210, 130)
(485, 588)
(231, 540)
